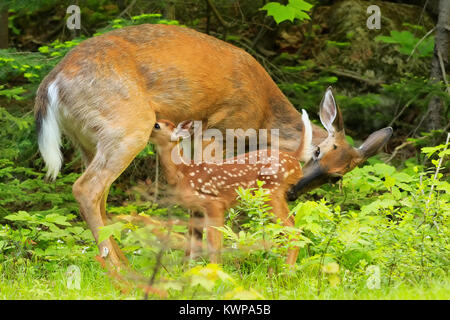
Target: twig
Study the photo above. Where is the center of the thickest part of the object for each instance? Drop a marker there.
(398, 148)
(353, 75)
(130, 6)
(217, 14)
(419, 42)
(436, 173)
(420, 123)
(407, 143)
(123, 12)
(158, 264)
(261, 32)
(208, 17)
(155, 271)
(422, 12)
(156, 177)
(403, 109)
(263, 61)
(322, 259)
(444, 76)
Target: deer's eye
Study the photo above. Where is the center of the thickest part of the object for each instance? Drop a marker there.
(157, 126)
(317, 152)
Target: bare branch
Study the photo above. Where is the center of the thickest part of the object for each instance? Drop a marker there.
(419, 42)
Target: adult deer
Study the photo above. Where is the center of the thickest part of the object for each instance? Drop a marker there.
(106, 94)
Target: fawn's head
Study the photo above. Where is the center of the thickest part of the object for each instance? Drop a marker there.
(334, 156)
(165, 132)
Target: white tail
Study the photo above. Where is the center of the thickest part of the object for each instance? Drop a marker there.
(49, 138)
(307, 137)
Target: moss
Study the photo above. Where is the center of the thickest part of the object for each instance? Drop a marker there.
(346, 22)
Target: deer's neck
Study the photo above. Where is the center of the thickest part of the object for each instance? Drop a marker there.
(291, 128)
(167, 157)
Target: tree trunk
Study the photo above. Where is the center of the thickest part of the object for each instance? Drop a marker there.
(121, 5)
(441, 48)
(3, 28)
(170, 9)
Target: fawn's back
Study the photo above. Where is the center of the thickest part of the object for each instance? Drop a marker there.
(220, 180)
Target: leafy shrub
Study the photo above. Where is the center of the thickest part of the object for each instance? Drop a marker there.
(295, 9)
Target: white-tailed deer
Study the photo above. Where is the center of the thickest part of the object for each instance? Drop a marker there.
(107, 92)
(211, 187)
(334, 156)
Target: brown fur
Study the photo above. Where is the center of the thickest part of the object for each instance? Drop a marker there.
(211, 187)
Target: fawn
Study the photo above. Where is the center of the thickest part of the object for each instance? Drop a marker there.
(210, 187)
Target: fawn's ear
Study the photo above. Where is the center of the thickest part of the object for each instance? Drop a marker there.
(185, 125)
(183, 130)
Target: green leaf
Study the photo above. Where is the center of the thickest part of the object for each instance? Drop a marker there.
(19, 216)
(350, 140)
(279, 12)
(378, 204)
(114, 229)
(300, 5)
(58, 219)
(44, 49)
(389, 182)
(406, 42)
(293, 10)
(382, 169)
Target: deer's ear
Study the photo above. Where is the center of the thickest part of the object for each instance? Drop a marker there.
(375, 142)
(183, 130)
(185, 125)
(330, 115)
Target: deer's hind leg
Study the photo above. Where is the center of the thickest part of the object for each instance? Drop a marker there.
(112, 156)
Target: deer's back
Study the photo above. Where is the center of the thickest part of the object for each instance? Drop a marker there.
(175, 71)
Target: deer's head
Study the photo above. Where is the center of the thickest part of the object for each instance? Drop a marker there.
(334, 156)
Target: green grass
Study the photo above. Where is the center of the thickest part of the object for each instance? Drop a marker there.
(33, 280)
(37, 281)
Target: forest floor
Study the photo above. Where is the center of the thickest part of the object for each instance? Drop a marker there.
(26, 283)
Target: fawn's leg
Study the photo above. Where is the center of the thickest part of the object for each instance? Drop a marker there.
(214, 218)
(281, 210)
(196, 225)
(197, 219)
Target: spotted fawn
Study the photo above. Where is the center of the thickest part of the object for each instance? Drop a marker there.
(211, 187)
